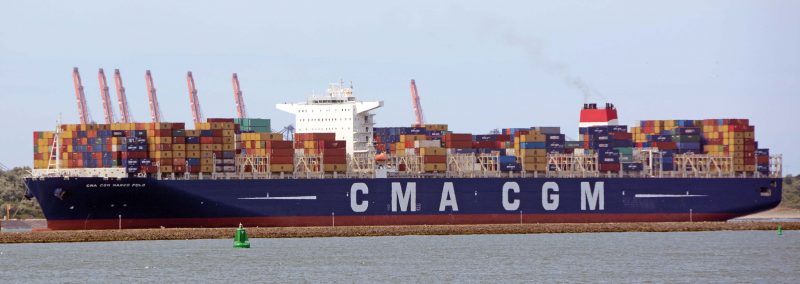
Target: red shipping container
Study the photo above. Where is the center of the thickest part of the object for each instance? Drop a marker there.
(216, 140)
(621, 136)
(279, 145)
(179, 140)
(281, 159)
(333, 159)
(219, 120)
(458, 137)
(484, 144)
(610, 167)
(434, 159)
(458, 144)
(336, 144)
(334, 152)
(216, 132)
(163, 132)
(179, 168)
(281, 152)
(206, 140)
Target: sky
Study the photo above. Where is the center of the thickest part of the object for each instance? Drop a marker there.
(478, 66)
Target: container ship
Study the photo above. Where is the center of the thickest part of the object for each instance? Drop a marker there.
(338, 169)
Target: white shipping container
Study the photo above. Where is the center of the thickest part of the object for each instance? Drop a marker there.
(427, 143)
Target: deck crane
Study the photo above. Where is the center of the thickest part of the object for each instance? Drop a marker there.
(420, 118)
(108, 111)
(194, 103)
(83, 110)
(241, 111)
(125, 117)
(155, 112)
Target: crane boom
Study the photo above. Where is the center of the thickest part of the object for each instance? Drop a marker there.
(241, 111)
(83, 111)
(125, 117)
(108, 111)
(194, 102)
(420, 118)
(155, 112)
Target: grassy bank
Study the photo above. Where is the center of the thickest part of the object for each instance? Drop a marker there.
(358, 231)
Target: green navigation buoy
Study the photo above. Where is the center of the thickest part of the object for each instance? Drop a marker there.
(240, 239)
(780, 230)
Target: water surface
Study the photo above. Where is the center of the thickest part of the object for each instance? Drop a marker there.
(739, 256)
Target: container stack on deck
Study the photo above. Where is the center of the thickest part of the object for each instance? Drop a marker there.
(434, 159)
(529, 147)
(613, 145)
(212, 147)
(732, 137)
(332, 151)
(271, 146)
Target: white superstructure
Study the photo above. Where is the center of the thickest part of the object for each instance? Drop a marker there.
(336, 112)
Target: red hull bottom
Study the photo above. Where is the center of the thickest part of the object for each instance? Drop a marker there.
(380, 220)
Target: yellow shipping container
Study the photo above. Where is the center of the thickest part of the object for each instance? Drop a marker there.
(205, 147)
(216, 147)
(310, 144)
(335, 167)
(533, 137)
(281, 168)
(227, 132)
(193, 133)
(228, 147)
(179, 147)
(192, 154)
(166, 169)
(531, 152)
(435, 167)
(193, 147)
(161, 154)
(432, 151)
(206, 154)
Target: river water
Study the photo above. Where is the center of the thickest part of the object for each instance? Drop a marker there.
(738, 256)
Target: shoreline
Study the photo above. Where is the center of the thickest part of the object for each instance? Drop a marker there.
(45, 236)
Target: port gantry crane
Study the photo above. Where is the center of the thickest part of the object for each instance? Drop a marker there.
(83, 110)
(155, 112)
(194, 102)
(125, 117)
(108, 111)
(241, 110)
(420, 118)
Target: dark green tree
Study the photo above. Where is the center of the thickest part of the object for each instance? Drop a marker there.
(12, 192)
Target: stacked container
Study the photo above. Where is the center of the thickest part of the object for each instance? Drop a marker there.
(434, 159)
(762, 161)
(268, 145)
(332, 151)
(529, 146)
(734, 138)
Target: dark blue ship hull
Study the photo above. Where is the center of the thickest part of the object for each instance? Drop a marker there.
(95, 203)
